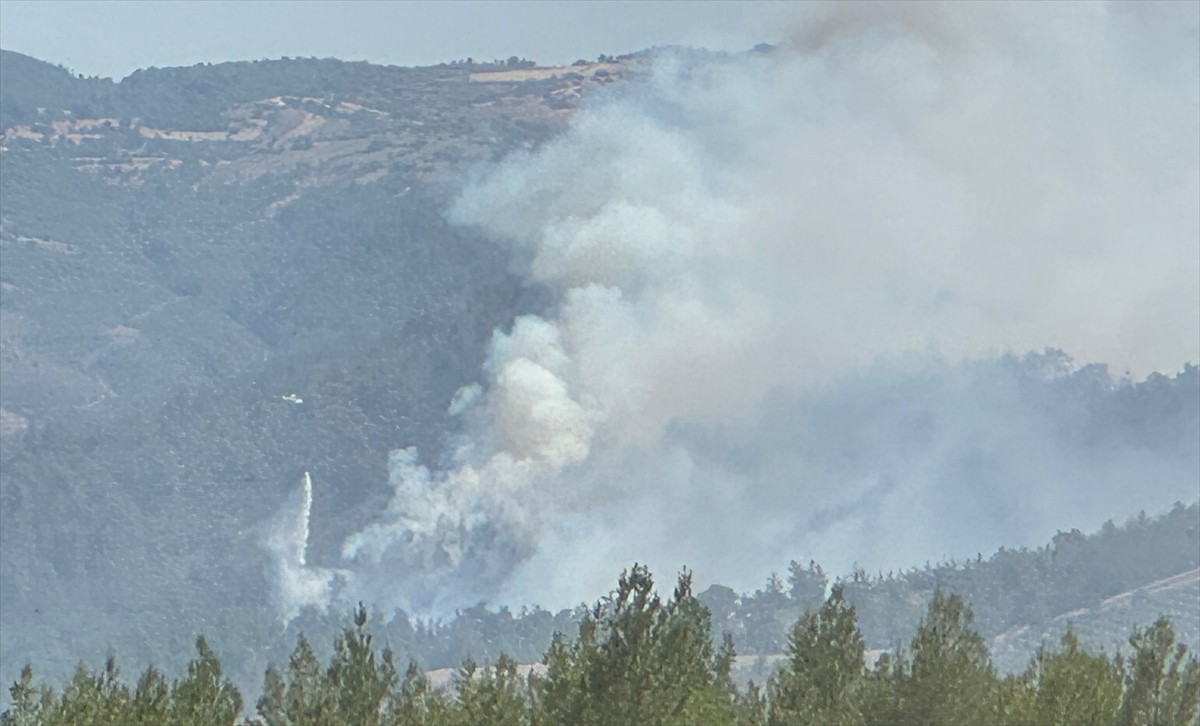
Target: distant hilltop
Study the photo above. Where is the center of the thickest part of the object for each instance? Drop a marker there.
(196, 97)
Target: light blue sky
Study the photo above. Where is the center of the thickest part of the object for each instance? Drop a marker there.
(114, 38)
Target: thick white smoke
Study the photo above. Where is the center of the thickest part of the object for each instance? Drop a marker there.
(726, 239)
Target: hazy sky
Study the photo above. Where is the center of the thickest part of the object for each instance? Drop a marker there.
(114, 38)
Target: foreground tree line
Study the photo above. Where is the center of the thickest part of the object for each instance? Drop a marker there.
(638, 659)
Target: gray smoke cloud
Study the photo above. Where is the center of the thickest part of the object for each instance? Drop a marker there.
(766, 271)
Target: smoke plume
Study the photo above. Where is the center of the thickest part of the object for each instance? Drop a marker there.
(778, 277)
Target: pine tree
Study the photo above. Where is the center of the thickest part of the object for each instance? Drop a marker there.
(306, 700)
(884, 696)
(360, 684)
(1162, 684)
(98, 698)
(952, 679)
(151, 704)
(494, 695)
(1073, 686)
(806, 585)
(30, 703)
(556, 695)
(723, 665)
(272, 705)
(820, 684)
(204, 696)
(750, 706)
(637, 660)
(690, 676)
(415, 703)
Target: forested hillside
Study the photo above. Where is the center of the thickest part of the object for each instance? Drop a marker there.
(184, 250)
(640, 658)
(1011, 589)
(218, 281)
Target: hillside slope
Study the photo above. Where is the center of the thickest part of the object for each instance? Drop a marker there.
(214, 278)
